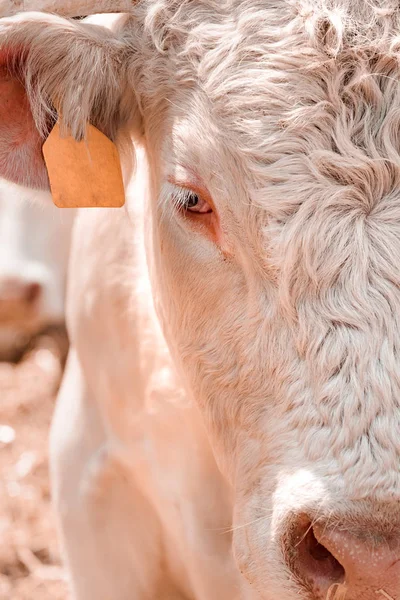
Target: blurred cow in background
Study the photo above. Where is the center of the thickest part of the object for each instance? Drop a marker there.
(34, 249)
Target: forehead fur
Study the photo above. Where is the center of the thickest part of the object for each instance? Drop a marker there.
(258, 63)
(305, 94)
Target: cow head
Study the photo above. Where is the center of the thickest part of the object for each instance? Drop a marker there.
(272, 133)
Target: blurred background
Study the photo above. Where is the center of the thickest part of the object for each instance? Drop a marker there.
(34, 249)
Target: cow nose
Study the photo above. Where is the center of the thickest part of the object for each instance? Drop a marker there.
(336, 564)
(19, 291)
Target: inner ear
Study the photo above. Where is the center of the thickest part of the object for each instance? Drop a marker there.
(21, 158)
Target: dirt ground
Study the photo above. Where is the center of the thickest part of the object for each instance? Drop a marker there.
(29, 556)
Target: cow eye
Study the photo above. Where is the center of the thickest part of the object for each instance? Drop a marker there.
(194, 203)
(196, 206)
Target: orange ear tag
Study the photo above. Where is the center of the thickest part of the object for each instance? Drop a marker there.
(84, 174)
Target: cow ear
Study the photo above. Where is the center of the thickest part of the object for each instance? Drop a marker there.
(80, 67)
(21, 158)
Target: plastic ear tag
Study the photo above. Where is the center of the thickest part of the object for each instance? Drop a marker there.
(84, 174)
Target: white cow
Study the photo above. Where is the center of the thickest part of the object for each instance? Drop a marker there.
(229, 422)
(34, 249)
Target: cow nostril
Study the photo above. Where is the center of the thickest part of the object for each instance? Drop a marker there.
(332, 567)
(32, 293)
(313, 563)
(17, 291)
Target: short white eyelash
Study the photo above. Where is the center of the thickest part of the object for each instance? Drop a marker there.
(178, 195)
(181, 197)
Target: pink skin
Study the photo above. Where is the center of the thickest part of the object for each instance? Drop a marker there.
(18, 134)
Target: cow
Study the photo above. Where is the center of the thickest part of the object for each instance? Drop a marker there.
(34, 249)
(229, 422)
